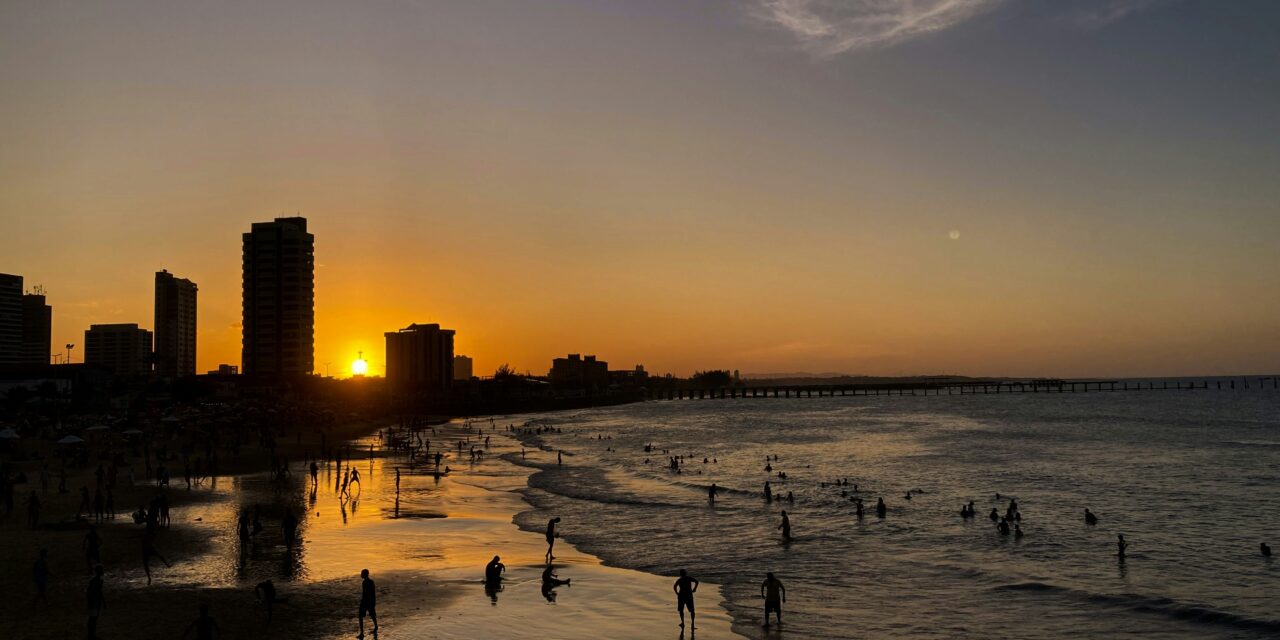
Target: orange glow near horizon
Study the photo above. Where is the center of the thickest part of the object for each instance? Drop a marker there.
(665, 185)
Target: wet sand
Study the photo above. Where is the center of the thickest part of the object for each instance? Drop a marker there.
(425, 547)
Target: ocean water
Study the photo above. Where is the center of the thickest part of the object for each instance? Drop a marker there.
(1191, 478)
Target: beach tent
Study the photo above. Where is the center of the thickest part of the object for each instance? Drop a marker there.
(98, 427)
(71, 440)
(132, 432)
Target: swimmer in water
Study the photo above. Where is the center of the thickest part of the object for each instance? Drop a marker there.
(711, 493)
(881, 510)
(1017, 532)
(1121, 546)
(994, 515)
(1266, 550)
(786, 527)
(1089, 518)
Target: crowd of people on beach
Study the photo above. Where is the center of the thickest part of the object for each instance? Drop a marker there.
(97, 509)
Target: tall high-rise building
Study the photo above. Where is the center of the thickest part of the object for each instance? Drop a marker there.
(37, 328)
(175, 325)
(462, 367)
(420, 358)
(123, 348)
(10, 319)
(278, 299)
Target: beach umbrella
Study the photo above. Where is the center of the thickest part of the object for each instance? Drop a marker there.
(169, 419)
(8, 434)
(71, 440)
(98, 427)
(132, 432)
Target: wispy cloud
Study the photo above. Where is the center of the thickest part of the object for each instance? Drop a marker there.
(1104, 12)
(831, 27)
(828, 28)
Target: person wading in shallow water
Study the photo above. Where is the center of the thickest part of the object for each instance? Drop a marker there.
(774, 595)
(685, 586)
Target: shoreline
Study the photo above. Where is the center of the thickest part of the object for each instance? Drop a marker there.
(427, 567)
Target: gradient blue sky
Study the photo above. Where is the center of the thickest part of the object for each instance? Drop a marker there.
(769, 185)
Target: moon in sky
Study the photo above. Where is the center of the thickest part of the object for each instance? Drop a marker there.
(954, 235)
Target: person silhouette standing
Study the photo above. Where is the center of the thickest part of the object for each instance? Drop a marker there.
(774, 595)
(881, 509)
(786, 527)
(493, 571)
(266, 591)
(685, 586)
(1121, 546)
(368, 602)
(711, 494)
(205, 626)
(96, 601)
(551, 537)
(92, 548)
(40, 574)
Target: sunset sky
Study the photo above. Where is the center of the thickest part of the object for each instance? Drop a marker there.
(985, 187)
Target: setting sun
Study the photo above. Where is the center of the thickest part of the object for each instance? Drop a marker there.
(359, 367)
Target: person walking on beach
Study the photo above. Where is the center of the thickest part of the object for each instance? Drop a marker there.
(774, 595)
(204, 625)
(786, 527)
(148, 550)
(685, 586)
(551, 537)
(368, 602)
(96, 601)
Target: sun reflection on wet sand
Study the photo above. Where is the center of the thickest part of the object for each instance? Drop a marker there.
(433, 530)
